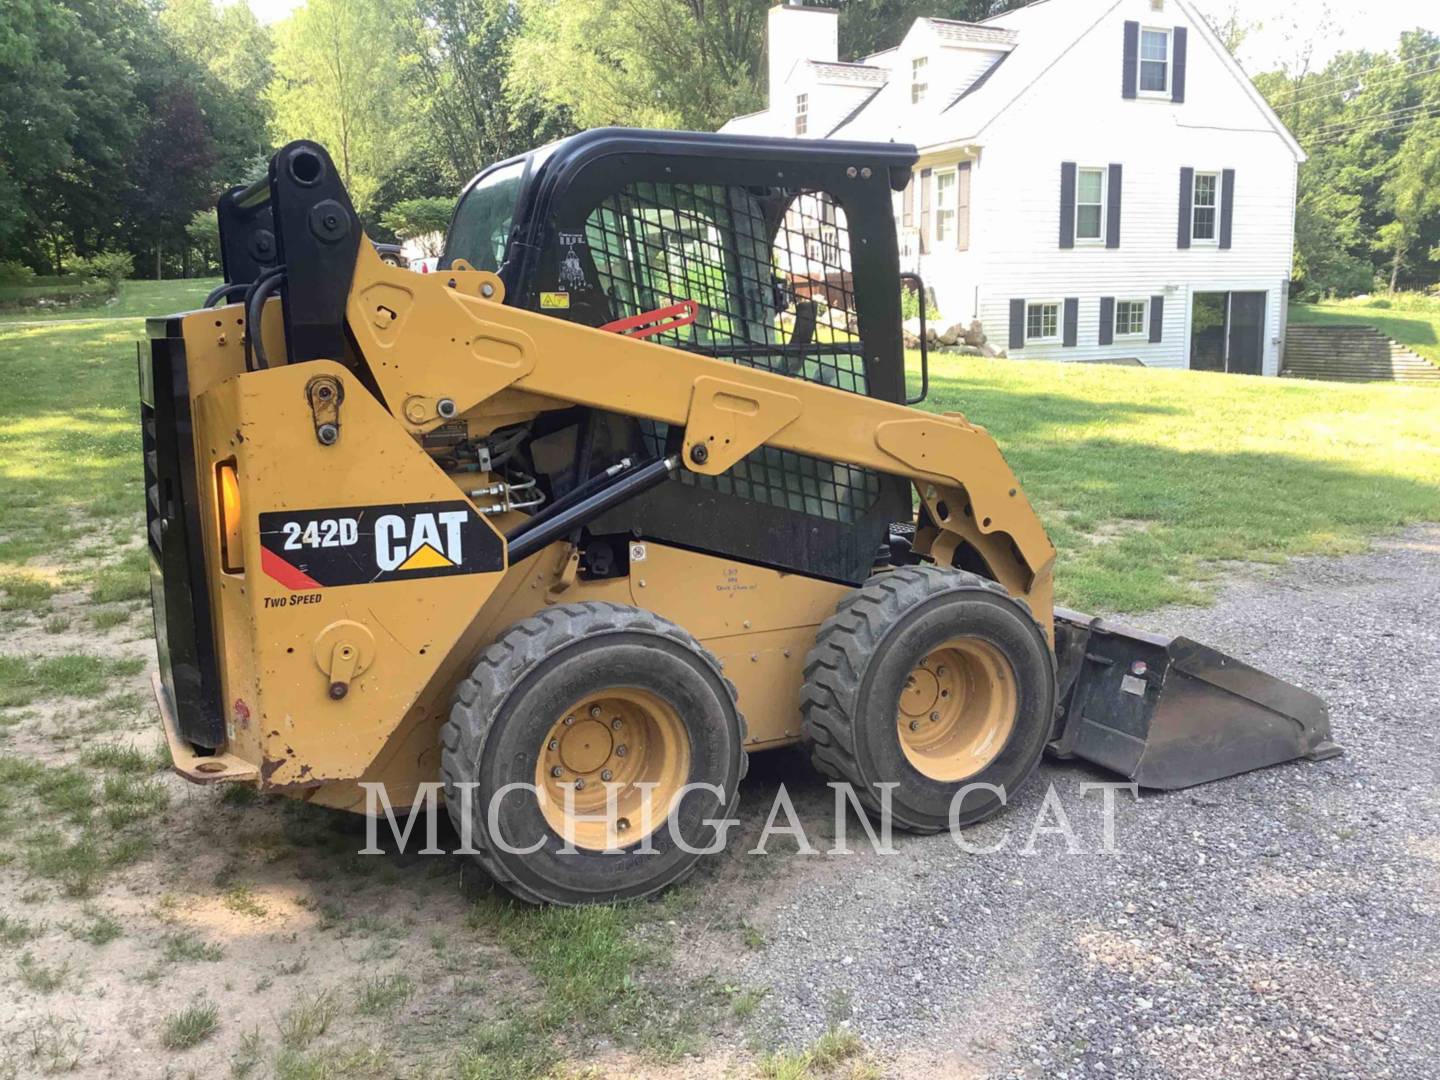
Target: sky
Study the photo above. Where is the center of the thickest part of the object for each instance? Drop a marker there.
(1280, 28)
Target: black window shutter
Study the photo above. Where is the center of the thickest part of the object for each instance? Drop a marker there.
(1072, 319)
(1017, 324)
(1187, 192)
(925, 182)
(1067, 204)
(1157, 317)
(1177, 73)
(1112, 208)
(962, 207)
(1107, 320)
(1131, 75)
(1227, 205)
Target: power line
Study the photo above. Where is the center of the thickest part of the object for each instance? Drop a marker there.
(1360, 121)
(1303, 89)
(1400, 124)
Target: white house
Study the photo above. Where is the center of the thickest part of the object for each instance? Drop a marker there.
(1098, 179)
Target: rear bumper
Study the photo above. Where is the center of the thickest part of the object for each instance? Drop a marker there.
(197, 768)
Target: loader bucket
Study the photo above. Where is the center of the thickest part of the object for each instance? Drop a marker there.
(1168, 712)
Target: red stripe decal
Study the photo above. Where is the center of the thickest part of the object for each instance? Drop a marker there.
(292, 578)
(655, 322)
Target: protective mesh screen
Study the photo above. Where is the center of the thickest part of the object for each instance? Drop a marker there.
(769, 269)
(786, 305)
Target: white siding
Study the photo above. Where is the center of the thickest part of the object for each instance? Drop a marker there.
(1075, 112)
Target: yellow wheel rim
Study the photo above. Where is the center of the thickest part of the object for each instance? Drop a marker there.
(957, 708)
(611, 768)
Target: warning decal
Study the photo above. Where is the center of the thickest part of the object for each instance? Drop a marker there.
(356, 545)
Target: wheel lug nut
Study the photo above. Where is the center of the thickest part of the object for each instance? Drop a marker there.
(607, 775)
(594, 710)
(621, 824)
(557, 771)
(617, 723)
(934, 716)
(554, 744)
(580, 784)
(621, 751)
(914, 725)
(569, 720)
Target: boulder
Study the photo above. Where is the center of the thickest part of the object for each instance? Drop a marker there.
(974, 333)
(951, 335)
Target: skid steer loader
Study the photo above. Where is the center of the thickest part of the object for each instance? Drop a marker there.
(628, 490)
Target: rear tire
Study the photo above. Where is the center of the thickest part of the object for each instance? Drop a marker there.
(579, 697)
(933, 680)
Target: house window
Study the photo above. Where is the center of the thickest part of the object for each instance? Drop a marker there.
(1090, 204)
(1130, 318)
(1202, 207)
(1042, 321)
(1155, 61)
(945, 207)
(802, 113)
(919, 79)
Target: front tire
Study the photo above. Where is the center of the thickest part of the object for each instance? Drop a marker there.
(936, 681)
(567, 705)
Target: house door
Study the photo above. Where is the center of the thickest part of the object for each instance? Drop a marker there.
(1246, 345)
(1227, 332)
(1207, 331)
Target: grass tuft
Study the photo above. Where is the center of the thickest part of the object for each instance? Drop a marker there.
(241, 900)
(191, 1025)
(100, 930)
(38, 977)
(181, 948)
(383, 993)
(308, 1019)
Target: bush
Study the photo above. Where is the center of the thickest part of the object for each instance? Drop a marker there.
(15, 273)
(111, 267)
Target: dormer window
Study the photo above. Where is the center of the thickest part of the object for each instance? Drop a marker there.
(1154, 61)
(919, 79)
(802, 113)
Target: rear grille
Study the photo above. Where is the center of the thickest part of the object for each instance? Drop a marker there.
(154, 511)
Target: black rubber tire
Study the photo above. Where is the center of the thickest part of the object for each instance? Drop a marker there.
(858, 666)
(522, 683)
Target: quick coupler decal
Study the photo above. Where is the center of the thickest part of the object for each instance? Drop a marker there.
(356, 545)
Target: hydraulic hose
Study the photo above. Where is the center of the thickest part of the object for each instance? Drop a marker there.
(222, 292)
(254, 308)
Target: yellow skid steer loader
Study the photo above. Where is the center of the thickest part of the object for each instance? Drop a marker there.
(628, 490)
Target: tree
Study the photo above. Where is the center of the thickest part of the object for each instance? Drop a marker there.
(1413, 193)
(420, 219)
(456, 56)
(645, 63)
(337, 81)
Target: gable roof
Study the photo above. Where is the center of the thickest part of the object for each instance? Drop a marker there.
(1028, 42)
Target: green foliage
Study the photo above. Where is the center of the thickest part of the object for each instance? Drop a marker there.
(203, 229)
(1368, 210)
(111, 267)
(337, 82)
(13, 272)
(600, 62)
(411, 219)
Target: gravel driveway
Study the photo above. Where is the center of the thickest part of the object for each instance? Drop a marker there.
(1282, 923)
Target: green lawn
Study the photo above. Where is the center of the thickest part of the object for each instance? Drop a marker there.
(140, 298)
(1151, 482)
(1412, 319)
